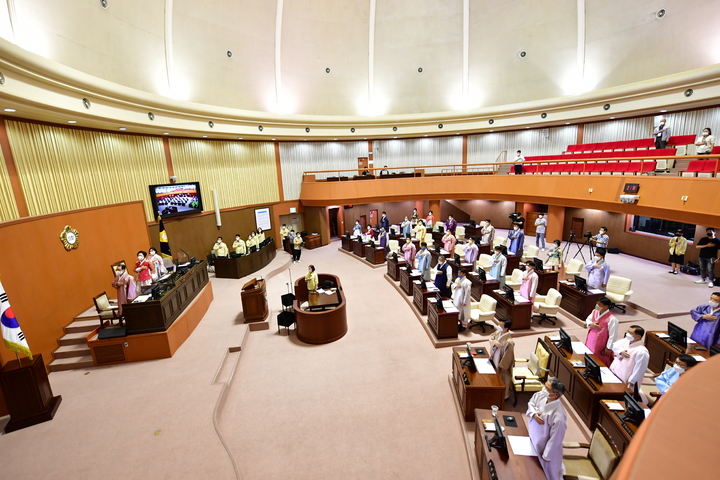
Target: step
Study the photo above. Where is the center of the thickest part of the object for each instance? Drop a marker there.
(69, 351)
(82, 326)
(73, 339)
(73, 363)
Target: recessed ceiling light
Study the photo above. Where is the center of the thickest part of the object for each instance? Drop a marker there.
(457, 133)
(527, 127)
(122, 128)
(239, 138)
(426, 135)
(394, 137)
(273, 139)
(10, 110)
(72, 121)
(204, 136)
(492, 130)
(567, 123)
(334, 138)
(661, 111)
(612, 118)
(166, 133)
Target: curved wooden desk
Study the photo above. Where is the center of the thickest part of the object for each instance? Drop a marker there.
(320, 326)
(243, 266)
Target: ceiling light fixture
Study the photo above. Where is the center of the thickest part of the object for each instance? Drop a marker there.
(72, 121)
(166, 133)
(10, 110)
(122, 128)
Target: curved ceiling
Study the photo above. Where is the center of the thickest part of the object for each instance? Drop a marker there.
(369, 59)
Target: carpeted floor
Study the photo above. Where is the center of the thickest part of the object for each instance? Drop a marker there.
(375, 404)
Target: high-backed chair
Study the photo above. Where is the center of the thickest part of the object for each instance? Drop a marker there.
(618, 291)
(439, 224)
(547, 306)
(574, 267)
(460, 233)
(428, 238)
(484, 261)
(514, 280)
(482, 311)
(529, 253)
(600, 462)
(530, 374)
(459, 251)
(394, 246)
(498, 241)
(105, 310)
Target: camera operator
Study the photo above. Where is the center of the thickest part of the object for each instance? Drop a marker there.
(602, 239)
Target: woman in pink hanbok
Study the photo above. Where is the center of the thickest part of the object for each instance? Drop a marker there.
(125, 285)
(602, 330)
(409, 249)
(449, 243)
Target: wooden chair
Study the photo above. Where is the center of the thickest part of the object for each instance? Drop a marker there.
(599, 463)
(105, 310)
(530, 374)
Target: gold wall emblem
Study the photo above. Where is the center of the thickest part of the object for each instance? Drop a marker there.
(70, 238)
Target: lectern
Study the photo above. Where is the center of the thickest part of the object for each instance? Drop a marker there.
(254, 301)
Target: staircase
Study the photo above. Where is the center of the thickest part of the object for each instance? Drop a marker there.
(73, 352)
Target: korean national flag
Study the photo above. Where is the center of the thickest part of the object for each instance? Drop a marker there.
(11, 332)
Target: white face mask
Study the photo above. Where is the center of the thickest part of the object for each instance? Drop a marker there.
(516, 228)
(599, 309)
(141, 258)
(713, 304)
(600, 232)
(705, 134)
(629, 337)
(598, 259)
(678, 369)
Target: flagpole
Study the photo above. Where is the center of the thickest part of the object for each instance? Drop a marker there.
(18, 357)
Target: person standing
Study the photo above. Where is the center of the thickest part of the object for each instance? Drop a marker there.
(707, 328)
(414, 218)
(239, 244)
(144, 269)
(420, 230)
(461, 298)
(297, 248)
(406, 226)
(442, 278)
(519, 159)
(708, 247)
(158, 265)
(125, 285)
(528, 288)
(383, 238)
(599, 270)
(678, 246)
(631, 357)
(430, 221)
(451, 224)
(555, 255)
(385, 222)
(357, 229)
(502, 352)
(409, 250)
(424, 259)
(540, 226)
(547, 427)
(252, 241)
(498, 264)
(488, 232)
(517, 240)
(705, 142)
(471, 251)
(311, 278)
(602, 330)
(449, 242)
(219, 249)
(602, 239)
(283, 232)
(261, 236)
(661, 134)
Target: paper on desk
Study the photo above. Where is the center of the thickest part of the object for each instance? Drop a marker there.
(690, 341)
(647, 412)
(662, 335)
(484, 366)
(595, 290)
(449, 306)
(142, 298)
(319, 290)
(490, 277)
(522, 446)
(699, 358)
(614, 406)
(554, 338)
(520, 299)
(489, 426)
(580, 348)
(329, 292)
(608, 376)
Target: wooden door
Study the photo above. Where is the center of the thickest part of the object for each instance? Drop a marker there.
(362, 164)
(363, 221)
(530, 223)
(373, 217)
(577, 225)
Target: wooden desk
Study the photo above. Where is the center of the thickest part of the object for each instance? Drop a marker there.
(157, 315)
(247, 264)
(421, 296)
(484, 390)
(661, 351)
(546, 280)
(581, 396)
(437, 236)
(374, 255)
(519, 313)
(346, 243)
(322, 301)
(443, 323)
(434, 254)
(485, 248)
(610, 420)
(576, 302)
(324, 326)
(513, 262)
(254, 301)
(508, 466)
(359, 248)
(471, 231)
(479, 288)
(393, 267)
(406, 280)
(455, 267)
(313, 241)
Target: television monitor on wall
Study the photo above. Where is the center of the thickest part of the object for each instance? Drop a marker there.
(176, 199)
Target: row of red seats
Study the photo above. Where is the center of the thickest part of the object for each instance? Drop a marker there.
(628, 144)
(701, 167)
(579, 167)
(666, 152)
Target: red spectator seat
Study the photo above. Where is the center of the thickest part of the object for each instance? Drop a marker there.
(620, 168)
(708, 168)
(681, 140)
(646, 143)
(694, 167)
(543, 168)
(577, 167)
(665, 152)
(716, 150)
(648, 166)
(634, 168)
(529, 169)
(572, 148)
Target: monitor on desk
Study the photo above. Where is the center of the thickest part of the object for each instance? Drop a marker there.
(714, 350)
(498, 441)
(539, 267)
(634, 413)
(472, 223)
(457, 259)
(423, 284)
(482, 275)
(408, 267)
(441, 229)
(592, 369)
(347, 233)
(677, 335)
(438, 299)
(394, 257)
(509, 293)
(565, 341)
(469, 362)
(580, 284)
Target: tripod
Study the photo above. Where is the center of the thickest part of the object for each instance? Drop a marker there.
(573, 240)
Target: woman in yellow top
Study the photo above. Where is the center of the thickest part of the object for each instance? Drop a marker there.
(297, 248)
(678, 245)
(420, 231)
(311, 278)
(284, 231)
(251, 241)
(260, 235)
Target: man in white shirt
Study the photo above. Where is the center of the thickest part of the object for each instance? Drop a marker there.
(488, 232)
(461, 298)
(547, 426)
(502, 352)
(602, 239)
(631, 357)
(518, 163)
(540, 226)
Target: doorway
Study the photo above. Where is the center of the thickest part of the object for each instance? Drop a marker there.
(333, 221)
(577, 225)
(373, 217)
(363, 221)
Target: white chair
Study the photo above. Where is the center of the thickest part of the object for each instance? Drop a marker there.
(428, 239)
(460, 233)
(618, 291)
(498, 241)
(530, 253)
(394, 246)
(547, 306)
(459, 251)
(530, 374)
(439, 224)
(482, 311)
(574, 267)
(514, 280)
(484, 261)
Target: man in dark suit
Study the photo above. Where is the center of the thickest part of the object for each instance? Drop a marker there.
(442, 277)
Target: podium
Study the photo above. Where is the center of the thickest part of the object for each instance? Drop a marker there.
(254, 301)
(28, 394)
